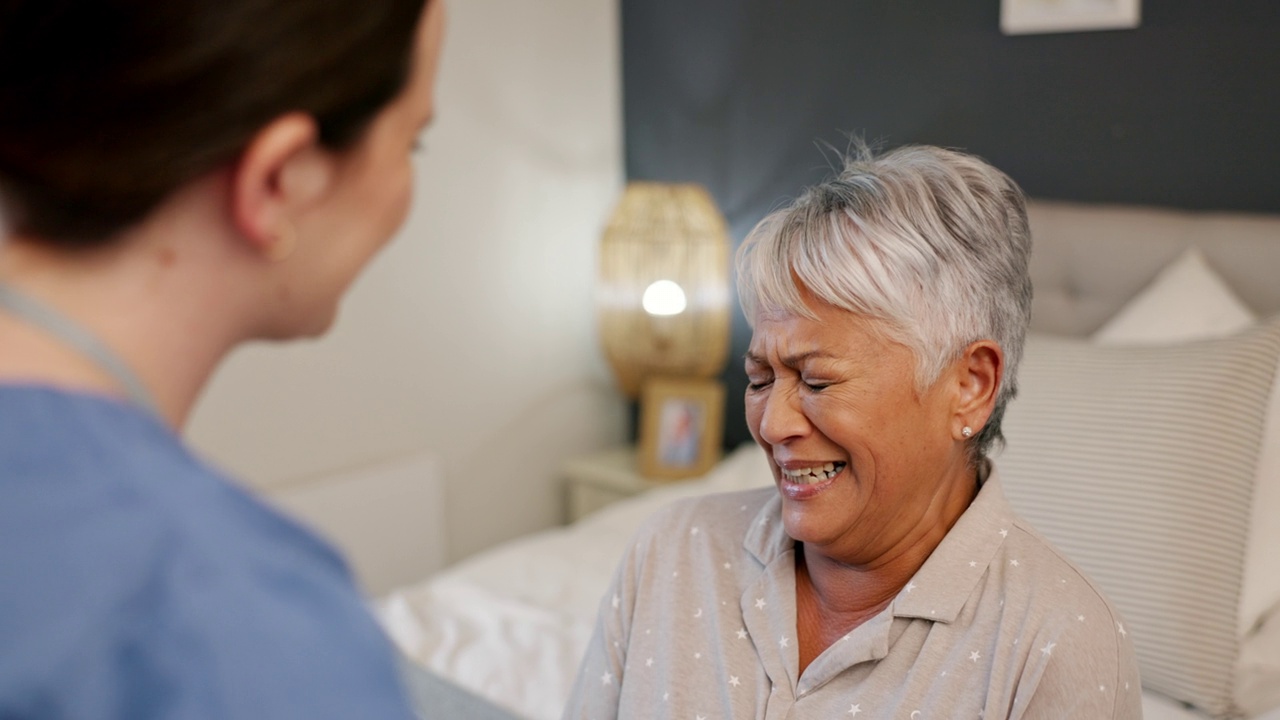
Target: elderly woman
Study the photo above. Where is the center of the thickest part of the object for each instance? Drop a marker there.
(178, 178)
(885, 576)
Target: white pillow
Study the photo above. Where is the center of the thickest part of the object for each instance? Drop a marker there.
(1186, 301)
(1139, 463)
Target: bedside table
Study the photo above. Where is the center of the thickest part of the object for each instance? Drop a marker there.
(599, 479)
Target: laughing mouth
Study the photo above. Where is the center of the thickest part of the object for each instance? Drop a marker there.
(811, 475)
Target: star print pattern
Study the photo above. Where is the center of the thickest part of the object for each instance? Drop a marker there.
(723, 649)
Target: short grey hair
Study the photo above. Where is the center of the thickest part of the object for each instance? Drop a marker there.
(932, 243)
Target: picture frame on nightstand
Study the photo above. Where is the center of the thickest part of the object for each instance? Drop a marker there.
(681, 421)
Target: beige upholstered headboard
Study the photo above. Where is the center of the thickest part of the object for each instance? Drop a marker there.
(1088, 260)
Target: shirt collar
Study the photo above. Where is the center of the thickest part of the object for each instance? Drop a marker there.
(942, 586)
(766, 539)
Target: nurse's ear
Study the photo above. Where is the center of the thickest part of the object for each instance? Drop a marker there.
(282, 172)
(976, 378)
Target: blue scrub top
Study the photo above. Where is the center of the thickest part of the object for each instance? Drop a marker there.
(135, 582)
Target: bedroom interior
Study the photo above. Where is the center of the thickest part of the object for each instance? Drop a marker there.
(431, 435)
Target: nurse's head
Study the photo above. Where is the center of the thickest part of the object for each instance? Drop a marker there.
(295, 119)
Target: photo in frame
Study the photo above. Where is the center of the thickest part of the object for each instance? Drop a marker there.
(681, 421)
(1018, 17)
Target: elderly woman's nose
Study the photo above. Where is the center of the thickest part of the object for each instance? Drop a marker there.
(782, 418)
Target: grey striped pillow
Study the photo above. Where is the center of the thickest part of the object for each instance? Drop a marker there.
(1138, 463)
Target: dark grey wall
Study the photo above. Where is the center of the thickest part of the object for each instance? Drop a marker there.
(740, 95)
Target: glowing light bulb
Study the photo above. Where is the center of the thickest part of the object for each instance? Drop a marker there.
(664, 297)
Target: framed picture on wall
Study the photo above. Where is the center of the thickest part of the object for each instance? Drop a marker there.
(1019, 17)
(681, 421)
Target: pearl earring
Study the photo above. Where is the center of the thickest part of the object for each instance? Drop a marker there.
(967, 431)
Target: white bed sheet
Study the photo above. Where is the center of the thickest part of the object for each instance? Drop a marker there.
(512, 624)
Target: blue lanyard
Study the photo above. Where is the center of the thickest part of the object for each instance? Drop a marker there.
(63, 328)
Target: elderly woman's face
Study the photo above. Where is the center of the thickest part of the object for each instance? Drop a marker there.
(862, 460)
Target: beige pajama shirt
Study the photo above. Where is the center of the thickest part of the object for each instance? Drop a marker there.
(700, 624)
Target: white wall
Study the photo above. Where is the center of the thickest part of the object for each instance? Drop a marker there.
(473, 336)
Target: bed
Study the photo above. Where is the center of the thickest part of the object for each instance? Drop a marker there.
(1149, 381)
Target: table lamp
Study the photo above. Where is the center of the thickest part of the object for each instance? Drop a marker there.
(664, 285)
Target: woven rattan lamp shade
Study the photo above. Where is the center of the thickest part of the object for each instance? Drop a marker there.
(666, 232)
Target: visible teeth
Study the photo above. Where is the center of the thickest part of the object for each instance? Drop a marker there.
(817, 473)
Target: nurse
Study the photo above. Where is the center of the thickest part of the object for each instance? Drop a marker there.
(177, 178)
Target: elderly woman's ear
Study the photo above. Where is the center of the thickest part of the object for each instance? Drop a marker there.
(977, 375)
